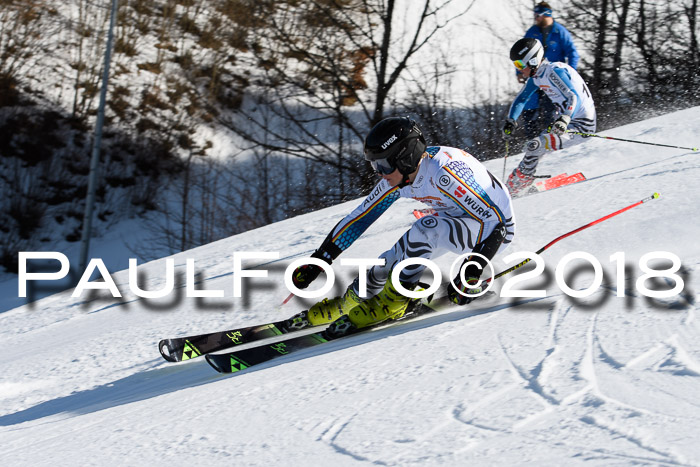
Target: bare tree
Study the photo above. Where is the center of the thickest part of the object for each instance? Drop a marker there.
(600, 47)
(328, 69)
(22, 38)
(621, 11)
(644, 55)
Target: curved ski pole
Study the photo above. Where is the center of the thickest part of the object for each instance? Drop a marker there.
(631, 140)
(568, 234)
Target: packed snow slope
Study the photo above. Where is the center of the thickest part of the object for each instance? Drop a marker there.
(604, 380)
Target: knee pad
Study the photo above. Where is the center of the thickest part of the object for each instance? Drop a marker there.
(535, 147)
(534, 150)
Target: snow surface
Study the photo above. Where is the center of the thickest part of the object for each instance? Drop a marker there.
(603, 380)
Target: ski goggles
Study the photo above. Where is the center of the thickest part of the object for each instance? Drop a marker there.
(520, 65)
(382, 166)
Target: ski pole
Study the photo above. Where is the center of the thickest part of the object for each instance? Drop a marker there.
(504, 161)
(631, 140)
(504, 166)
(287, 299)
(503, 273)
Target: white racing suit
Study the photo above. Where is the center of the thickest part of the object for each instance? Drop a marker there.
(571, 97)
(470, 202)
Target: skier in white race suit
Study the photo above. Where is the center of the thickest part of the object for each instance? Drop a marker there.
(569, 94)
(473, 214)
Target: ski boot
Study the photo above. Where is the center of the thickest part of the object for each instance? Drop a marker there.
(518, 182)
(387, 304)
(323, 312)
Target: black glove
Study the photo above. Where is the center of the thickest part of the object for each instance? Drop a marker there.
(457, 298)
(560, 124)
(488, 248)
(307, 273)
(509, 127)
(472, 272)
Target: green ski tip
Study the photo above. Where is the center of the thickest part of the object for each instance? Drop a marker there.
(656, 195)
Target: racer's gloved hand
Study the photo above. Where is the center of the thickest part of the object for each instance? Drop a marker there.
(509, 127)
(307, 273)
(560, 125)
(457, 298)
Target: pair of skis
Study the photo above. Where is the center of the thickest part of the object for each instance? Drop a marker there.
(557, 181)
(187, 348)
(550, 183)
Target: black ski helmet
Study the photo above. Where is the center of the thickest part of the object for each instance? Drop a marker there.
(395, 143)
(527, 52)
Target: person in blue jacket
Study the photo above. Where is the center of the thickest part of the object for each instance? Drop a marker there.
(558, 47)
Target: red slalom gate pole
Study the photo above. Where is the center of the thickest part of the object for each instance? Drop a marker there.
(568, 234)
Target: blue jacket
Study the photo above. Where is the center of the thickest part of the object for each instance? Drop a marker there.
(559, 47)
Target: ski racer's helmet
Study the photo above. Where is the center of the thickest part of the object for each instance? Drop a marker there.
(395, 143)
(527, 52)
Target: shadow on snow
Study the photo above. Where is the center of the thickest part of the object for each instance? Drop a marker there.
(164, 380)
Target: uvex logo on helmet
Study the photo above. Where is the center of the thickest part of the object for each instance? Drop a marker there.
(389, 141)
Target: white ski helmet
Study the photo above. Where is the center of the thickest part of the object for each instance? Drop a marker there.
(527, 52)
